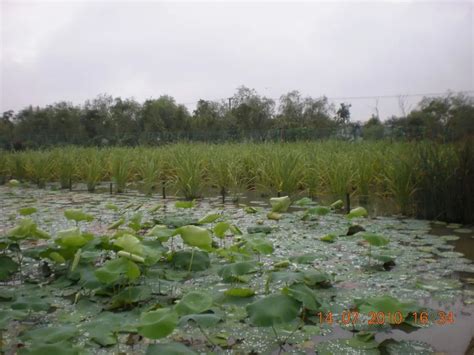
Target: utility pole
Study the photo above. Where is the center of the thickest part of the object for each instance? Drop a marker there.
(230, 103)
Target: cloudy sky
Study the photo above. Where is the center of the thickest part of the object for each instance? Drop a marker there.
(59, 50)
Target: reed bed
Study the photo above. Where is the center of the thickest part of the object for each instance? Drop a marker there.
(425, 179)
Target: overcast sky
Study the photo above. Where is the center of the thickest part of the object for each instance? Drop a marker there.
(55, 51)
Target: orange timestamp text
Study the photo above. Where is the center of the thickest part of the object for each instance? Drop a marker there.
(379, 318)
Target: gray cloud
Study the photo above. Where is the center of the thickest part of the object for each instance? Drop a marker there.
(74, 51)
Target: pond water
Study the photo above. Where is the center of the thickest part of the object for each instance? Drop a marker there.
(432, 267)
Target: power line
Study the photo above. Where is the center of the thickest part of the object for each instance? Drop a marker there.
(360, 97)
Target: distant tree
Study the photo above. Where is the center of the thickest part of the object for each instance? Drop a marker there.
(205, 115)
(251, 111)
(163, 116)
(373, 128)
(343, 114)
(125, 116)
(97, 118)
(291, 110)
(6, 129)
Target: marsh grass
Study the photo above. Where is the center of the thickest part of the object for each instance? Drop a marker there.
(188, 172)
(425, 179)
(65, 166)
(38, 168)
(149, 170)
(92, 171)
(282, 171)
(121, 169)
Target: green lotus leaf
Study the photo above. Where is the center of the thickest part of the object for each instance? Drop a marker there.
(303, 294)
(230, 271)
(273, 310)
(26, 211)
(195, 236)
(209, 218)
(78, 215)
(71, 238)
(130, 244)
(375, 239)
(220, 229)
(204, 319)
(240, 292)
(114, 269)
(158, 324)
(7, 267)
(185, 204)
(182, 259)
(194, 302)
(357, 213)
(280, 204)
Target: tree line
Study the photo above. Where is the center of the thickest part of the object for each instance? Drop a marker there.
(105, 120)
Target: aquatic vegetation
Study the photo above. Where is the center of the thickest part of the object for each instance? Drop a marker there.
(424, 179)
(165, 272)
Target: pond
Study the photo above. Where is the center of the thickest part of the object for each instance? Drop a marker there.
(342, 285)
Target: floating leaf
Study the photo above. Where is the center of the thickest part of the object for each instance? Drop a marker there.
(257, 243)
(116, 224)
(13, 183)
(130, 295)
(133, 257)
(196, 237)
(111, 206)
(7, 267)
(280, 204)
(337, 205)
(259, 229)
(130, 244)
(386, 304)
(318, 210)
(26, 228)
(239, 292)
(112, 270)
(50, 335)
(194, 302)
(438, 284)
(71, 238)
(303, 294)
(75, 261)
(229, 272)
(161, 232)
(200, 260)
(273, 310)
(316, 278)
(204, 319)
(209, 218)
(26, 211)
(274, 216)
(357, 213)
(158, 324)
(185, 204)
(329, 238)
(155, 208)
(60, 348)
(78, 215)
(375, 239)
(250, 209)
(220, 229)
